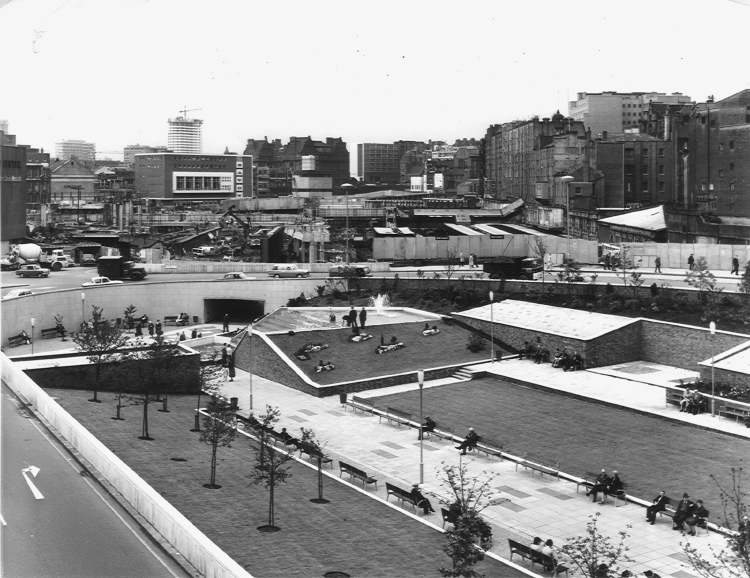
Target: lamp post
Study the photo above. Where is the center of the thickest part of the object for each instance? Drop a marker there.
(709, 101)
(712, 329)
(83, 307)
(32, 335)
(492, 325)
(420, 378)
(346, 187)
(566, 180)
(250, 369)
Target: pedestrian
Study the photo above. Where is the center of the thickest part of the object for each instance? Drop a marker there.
(225, 327)
(362, 317)
(735, 266)
(230, 366)
(461, 259)
(657, 265)
(471, 259)
(353, 316)
(607, 261)
(150, 328)
(139, 329)
(691, 262)
(194, 333)
(183, 337)
(224, 356)
(158, 329)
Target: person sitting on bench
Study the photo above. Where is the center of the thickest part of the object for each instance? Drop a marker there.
(428, 425)
(697, 518)
(683, 510)
(573, 362)
(616, 485)
(420, 501)
(685, 401)
(25, 336)
(287, 438)
(526, 350)
(470, 442)
(659, 504)
(430, 330)
(558, 358)
(600, 484)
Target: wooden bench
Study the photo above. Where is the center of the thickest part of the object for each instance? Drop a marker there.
(539, 467)
(400, 417)
(170, 320)
(669, 511)
(490, 448)
(535, 557)
(735, 412)
(313, 454)
(52, 332)
(400, 494)
(16, 340)
(360, 403)
(356, 473)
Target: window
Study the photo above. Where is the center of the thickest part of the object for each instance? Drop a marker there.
(661, 186)
(731, 166)
(721, 173)
(661, 169)
(731, 145)
(180, 183)
(661, 153)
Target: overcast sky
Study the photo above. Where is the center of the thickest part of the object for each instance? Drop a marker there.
(112, 72)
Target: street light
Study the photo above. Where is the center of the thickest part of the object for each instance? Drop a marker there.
(250, 368)
(32, 335)
(566, 180)
(492, 325)
(712, 329)
(346, 187)
(83, 307)
(420, 378)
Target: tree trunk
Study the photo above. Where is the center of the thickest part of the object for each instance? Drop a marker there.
(271, 484)
(197, 422)
(214, 447)
(144, 424)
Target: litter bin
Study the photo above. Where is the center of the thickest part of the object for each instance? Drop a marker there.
(195, 319)
(342, 398)
(233, 403)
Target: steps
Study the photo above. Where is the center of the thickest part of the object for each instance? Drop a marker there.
(463, 374)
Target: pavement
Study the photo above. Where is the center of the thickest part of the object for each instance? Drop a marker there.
(532, 505)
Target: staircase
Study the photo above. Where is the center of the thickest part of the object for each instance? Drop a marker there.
(463, 374)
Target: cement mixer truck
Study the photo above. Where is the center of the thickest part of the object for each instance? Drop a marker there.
(21, 254)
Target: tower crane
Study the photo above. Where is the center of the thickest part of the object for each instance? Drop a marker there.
(186, 110)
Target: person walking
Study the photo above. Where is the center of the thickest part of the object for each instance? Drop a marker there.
(353, 316)
(691, 262)
(225, 325)
(362, 317)
(230, 366)
(735, 266)
(657, 265)
(150, 329)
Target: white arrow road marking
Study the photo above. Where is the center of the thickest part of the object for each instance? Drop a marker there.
(2, 520)
(33, 470)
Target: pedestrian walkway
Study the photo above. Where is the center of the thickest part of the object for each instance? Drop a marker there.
(534, 505)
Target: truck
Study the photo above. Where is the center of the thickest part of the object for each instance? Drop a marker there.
(118, 267)
(513, 268)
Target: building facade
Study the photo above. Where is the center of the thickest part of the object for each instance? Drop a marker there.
(129, 152)
(185, 136)
(82, 150)
(378, 163)
(616, 112)
(72, 182)
(193, 177)
(13, 189)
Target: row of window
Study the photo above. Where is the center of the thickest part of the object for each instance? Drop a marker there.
(204, 183)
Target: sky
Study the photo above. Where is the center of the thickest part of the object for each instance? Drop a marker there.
(113, 71)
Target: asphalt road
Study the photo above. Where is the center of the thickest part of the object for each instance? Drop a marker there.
(72, 527)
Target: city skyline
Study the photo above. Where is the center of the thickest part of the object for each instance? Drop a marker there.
(319, 71)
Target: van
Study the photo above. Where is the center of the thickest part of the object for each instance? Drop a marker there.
(349, 271)
(288, 270)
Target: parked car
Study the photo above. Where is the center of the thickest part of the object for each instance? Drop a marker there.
(100, 281)
(33, 270)
(288, 270)
(235, 275)
(7, 264)
(88, 260)
(349, 271)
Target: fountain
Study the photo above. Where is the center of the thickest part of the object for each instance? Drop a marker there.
(380, 302)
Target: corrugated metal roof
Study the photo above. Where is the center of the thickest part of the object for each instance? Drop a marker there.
(651, 219)
(463, 229)
(489, 229)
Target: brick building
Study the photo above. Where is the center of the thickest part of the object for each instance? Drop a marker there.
(72, 181)
(193, 177)
(13, 190)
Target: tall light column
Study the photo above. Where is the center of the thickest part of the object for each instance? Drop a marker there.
(346, 187)
(420, 378)
(492, 325)
(250, 369)
(83, 307)
(32, 335)
(712, 329)
(566, 180)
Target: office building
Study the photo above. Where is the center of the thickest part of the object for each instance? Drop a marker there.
(378, 163)
(13, 188)
(129, 152)
(193, 177)
(185, 136)
(82, 150)
(616, 112)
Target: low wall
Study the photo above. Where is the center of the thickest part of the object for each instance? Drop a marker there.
(258, 269)
(201, 552)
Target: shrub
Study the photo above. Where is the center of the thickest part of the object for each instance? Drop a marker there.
(476, 343)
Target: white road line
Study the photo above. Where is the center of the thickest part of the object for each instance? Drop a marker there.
(33, 470)
(2, 520)
(127, 523)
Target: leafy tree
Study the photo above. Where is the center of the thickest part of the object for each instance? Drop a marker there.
(211, 377)
(469, 496)
(705, 282)
(312, 446)
(589, 552)
(452, 264)
(635, 281)
(476, 343)
(219, 430)
(540, 248)
(270, 468)
(744, 284)
(101, 342)
(732, 561)
(129, 315)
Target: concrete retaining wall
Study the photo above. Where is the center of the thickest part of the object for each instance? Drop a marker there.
(257, 269)
(201, 552)
(675, 255)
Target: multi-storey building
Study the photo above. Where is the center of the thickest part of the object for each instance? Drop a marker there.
(72, 182)
(129, 152)
(185, 135)
(13, 189)
(492, 159)
(378, 163)
(615, 112)
(82, 150)
(193, 177)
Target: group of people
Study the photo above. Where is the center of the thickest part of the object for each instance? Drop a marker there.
(386, 347)
(430, 330)
(324, 366)
(546, 547)
(350, 319)
(687, 516)
(563, 358)
(606, 485)
(227, 363)
(183, 319)
(567, 360)
(472, 260)
(152, 328)
(692, 402)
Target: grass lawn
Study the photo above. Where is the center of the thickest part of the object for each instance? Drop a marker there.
(352, 534)
(359, 361)
(650, 453)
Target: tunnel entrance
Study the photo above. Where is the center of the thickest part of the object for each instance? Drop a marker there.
(241, 311)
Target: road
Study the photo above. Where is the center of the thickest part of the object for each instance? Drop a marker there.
(72, 527)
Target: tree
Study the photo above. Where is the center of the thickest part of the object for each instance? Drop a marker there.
(310, 445)
(540, 248)
(744, 284)
(469, 496)
(211, 377)
(635, 281)
(153, 364)
(219, 430)
(270, 469)
(732, 561)
(101, 342)
(450, 266)
(128, 316)
(589, 552)
(705, 282)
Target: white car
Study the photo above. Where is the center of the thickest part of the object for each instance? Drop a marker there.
(100, 281)
(234, 275)
(288, 270)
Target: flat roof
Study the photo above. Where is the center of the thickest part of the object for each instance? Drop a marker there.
(571, 323)
(651, 219)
